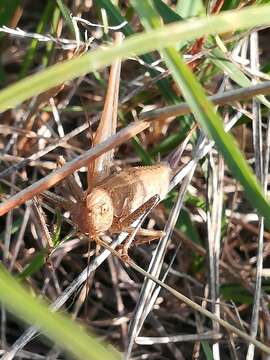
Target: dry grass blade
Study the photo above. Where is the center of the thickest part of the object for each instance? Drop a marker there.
(193, 305)
(60, 142)
(227, 97)
(177, 338)
(147, 298)
(69, 168)
(259, 162)
(214, 220)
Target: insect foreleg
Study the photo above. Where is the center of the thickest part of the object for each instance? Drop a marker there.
(56, 200)
(125, 223)
(144, 209)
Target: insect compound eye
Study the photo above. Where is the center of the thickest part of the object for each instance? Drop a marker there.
(104, 209)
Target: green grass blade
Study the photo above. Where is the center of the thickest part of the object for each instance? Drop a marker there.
(135, 45)
(31, 52)
(207, 350)
(142, 153)
(166, 12)
(35, 265)
(169, 143)
(8, 8)
(116, 18)
(218, 58)
(58, 328)
(137, 145)
(212, 124)
(65, 11)
(230, 4)
(189, 8)
(48, 55)
(205, 114)
(56, 235)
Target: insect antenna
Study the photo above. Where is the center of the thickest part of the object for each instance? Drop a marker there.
(91, 165)
(100, 168)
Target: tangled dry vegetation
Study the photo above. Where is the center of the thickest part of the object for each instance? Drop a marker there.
(213, 239)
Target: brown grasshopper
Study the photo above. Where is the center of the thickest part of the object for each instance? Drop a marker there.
(113, 202)
(120, 199)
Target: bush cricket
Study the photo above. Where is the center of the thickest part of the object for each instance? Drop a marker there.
(113, 202)
(120, 199)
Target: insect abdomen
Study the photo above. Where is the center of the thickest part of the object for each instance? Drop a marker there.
(132, 187)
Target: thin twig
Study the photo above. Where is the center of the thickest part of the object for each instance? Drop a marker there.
(65, 44)
(59, 142)
(59, 174)
(147, 340)
(228, 97)
(257, 143)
